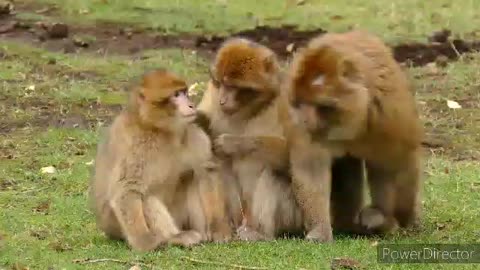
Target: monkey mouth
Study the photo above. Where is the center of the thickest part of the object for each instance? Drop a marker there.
(189, 117)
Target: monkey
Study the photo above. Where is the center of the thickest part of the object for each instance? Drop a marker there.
(241, 104)
(348, 98)
(156, 181)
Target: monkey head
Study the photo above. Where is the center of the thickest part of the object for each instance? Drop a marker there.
(246, 76)
(327, 92)
(162, 99)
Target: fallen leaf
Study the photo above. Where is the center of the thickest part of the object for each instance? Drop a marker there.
(345, 263)
(43, 10)
(453, 104)
(48, 169)
(43, 207)
(290, 47)
(336, 17)
(440, 226)
(89, 163)
(193, 87)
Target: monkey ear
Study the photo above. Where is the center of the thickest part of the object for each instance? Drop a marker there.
(140, 95)
(347, 69)
(319, 81)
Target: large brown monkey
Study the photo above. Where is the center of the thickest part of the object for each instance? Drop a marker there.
(154, 180)
(242, 104)
(350, 98)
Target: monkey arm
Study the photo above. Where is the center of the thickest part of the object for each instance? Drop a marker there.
(128, 208)
(272, 150)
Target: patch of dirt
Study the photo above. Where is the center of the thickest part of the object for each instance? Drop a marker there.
(43, 114)
(117, 39)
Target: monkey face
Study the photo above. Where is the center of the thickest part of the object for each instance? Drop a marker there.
(246, 76)
(184, 106)
(171, 109)
(162, 100)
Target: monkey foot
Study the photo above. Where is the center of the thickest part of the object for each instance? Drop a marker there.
(245, 233)
(321, 233)
(221, 236)
(186, 239)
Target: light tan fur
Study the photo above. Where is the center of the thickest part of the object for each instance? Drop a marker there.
(155, 182)
(242, 104)
(350, 98)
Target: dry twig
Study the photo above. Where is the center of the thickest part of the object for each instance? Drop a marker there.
(222, 264)
(102, 260)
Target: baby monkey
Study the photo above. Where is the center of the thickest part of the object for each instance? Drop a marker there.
(155, 182)
(242, 104)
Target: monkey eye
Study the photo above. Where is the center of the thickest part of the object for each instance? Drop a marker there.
(161, 103)
(180, 92)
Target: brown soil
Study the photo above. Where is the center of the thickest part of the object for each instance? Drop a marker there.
(43, 113)
(117, 39)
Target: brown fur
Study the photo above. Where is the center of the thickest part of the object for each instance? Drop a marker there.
(352, 98)
(250, 139)
(154, 180)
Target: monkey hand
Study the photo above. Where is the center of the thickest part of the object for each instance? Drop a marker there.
(246, 233)
(228, 144)
(222, 234)
(186, 239)
(373, 221)
(322, 233)
(146, 242)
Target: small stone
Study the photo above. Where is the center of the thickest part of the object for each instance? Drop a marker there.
(79, 42)
(58, 30)
(6, 8)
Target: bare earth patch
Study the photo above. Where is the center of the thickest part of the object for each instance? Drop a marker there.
(106, 38)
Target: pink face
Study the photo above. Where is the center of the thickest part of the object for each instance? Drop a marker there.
(184, 105)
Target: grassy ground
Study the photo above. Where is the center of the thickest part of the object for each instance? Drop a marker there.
(53, 106)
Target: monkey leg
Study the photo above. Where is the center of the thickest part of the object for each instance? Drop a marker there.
(379, 217)
(163, 224)
(207, 208)
(311, 182)
(128, 208)
(159, 219)
(409, 186)
(261, 225)
(108, 223)
(347, 193)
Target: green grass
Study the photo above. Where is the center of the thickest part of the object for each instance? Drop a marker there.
(393, 20)
(44, 219)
